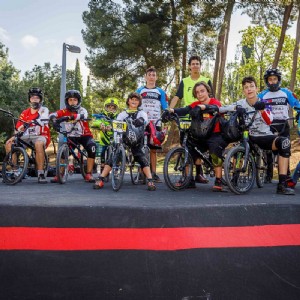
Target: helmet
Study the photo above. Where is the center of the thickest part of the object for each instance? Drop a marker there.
(73, 94)
(35, 92)
(156, 137)
(273, 72)
(111, 101)
(134, 135)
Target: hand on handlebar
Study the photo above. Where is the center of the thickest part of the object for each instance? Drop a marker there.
(166, 116)
(259, 105)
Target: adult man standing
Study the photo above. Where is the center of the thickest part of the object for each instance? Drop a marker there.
(185, 92)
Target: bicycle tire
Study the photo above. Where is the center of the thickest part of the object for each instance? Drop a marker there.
(237, 181)
(118, 168)
(83, 164)
(261, 169)
(62, 164)
(13, 172)
(175, 171)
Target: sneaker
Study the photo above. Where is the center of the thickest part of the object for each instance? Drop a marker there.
(156, 178)
(282, 189)
(71, 169)
(192, 184)
(201, 179)
(99, 184)
(151, 185)
(42, 179)
(89, 178)
(54, 180)
(290, 183)
(268, 179)
(218, 187)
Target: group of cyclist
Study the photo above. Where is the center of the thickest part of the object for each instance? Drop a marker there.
(149, 103)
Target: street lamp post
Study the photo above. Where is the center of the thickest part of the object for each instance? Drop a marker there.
(73, 49)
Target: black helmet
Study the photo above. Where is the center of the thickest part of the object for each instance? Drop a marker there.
(35, 92)
(273, 72)
(73, 94)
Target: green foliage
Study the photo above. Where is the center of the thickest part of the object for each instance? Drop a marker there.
(78, 78)
(257, 49)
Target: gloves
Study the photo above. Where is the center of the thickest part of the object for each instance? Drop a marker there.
(259, 105)
(240, 110)
(165, 117)
(63, 119)
(56, 126)
(138, 122)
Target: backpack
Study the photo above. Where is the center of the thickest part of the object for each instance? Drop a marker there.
(230, 129)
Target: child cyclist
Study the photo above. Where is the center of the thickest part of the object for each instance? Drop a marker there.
(81, 133)
(105, 133)
(139, 120)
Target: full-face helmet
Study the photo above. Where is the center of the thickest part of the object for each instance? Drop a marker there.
(35, 92)
(273, 72)
(73, 94)
(111, 101)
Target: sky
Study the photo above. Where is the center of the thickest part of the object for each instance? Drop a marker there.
(35, 30)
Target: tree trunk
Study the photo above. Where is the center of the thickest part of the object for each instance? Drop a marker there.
(295, 54)
(224, 33)
(184, 52)
(287, 13)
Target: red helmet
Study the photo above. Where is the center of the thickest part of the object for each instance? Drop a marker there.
(156, 137)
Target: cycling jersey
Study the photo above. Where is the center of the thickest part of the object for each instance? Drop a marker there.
(185, 89)
(262, 121)
(36, 130)
(134, 114)
(153, 101)
(103, 137)
(81, 128)
(279, 102)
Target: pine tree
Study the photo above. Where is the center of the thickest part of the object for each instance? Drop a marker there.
(78, 78)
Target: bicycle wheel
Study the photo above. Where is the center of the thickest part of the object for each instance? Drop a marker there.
(261, 169)
(62, 163)
(177, 173)
(83, 163)
(238, 181)
(14, 166)
(118, 168)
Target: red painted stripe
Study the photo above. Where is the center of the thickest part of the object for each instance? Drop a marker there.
(37, 238)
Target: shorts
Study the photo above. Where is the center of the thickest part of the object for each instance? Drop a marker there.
(34, 138)
(263, 142)
(215, 144)
(282, 127)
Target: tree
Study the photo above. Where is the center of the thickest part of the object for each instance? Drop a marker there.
(78, 78)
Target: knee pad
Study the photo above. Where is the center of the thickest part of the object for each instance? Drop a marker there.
(91, 149)
(216, 161)
(283, 144)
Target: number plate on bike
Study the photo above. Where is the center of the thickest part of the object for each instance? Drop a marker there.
(185, 124)
(119, 126)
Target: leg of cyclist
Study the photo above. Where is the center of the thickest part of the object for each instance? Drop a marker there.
(90, 146)
(39, 145)
(283, 145)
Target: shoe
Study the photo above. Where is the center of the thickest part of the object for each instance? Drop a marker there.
(54, 180)
(268, 179)
(192, 184)
(283, 189)
(218, 186)
(89, 178)
(290, 183)
(151, 185)
(99, 184)
(71, 169)
(156, 178)
(201, 179)
(42, 179)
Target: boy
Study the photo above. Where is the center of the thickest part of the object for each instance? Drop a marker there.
(154, 100)
(81, 133)
(139, 119)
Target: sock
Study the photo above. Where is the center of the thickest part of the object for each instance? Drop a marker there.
(40, 172)
(282, 178)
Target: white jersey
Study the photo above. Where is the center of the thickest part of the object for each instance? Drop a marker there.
(262, 121)
(140, 114)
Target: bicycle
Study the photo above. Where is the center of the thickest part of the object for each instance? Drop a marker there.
(18, 161)
(67, 149)
(245, 162)
(178, 164)
(122, 156)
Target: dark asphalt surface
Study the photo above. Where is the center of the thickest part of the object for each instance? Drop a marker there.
(76, 192)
